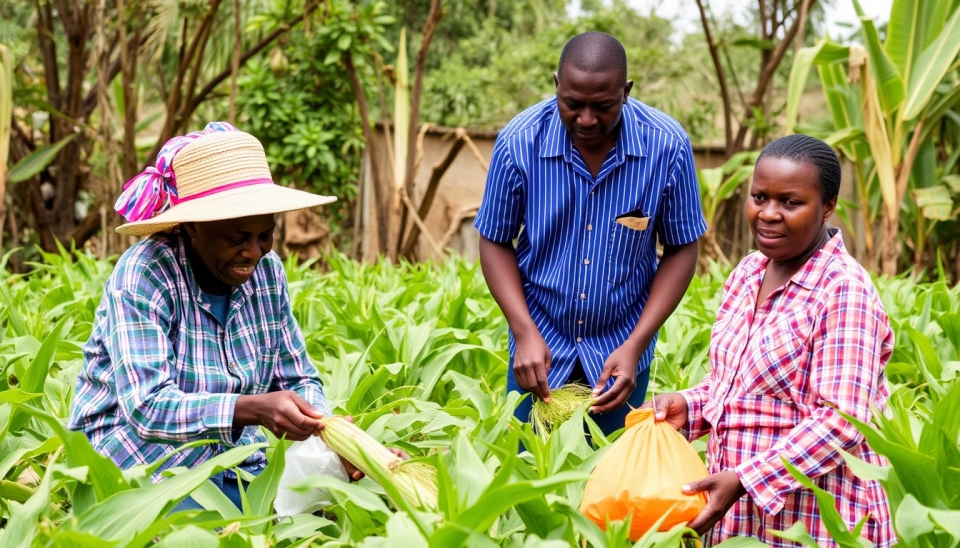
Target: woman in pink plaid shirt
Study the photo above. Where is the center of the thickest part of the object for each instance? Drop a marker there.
(801, 336)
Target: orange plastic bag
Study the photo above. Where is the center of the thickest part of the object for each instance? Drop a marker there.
(641, 475)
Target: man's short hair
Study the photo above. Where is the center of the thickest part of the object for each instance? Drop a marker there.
(594, 52)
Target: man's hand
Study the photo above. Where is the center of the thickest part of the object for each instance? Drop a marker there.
(671, 408)
(723, 490)
(622, 366)
(282, 413)
(531, 362)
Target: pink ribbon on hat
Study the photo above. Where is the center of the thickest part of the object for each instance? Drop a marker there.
(154, 190)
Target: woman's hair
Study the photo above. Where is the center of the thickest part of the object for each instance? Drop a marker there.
(803, 148)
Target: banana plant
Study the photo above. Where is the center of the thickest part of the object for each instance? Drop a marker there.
(887, 100)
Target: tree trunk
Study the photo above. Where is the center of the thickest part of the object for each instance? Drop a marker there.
(889, 244)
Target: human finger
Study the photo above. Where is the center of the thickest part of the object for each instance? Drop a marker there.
(541, 375)
(617, 395)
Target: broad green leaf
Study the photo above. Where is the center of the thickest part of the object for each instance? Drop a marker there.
(890, 86)
(797, 533)
(302, 526)
(190, 537)
(932, 66)
(934, 202)
(126, 513)
(263, 489)
(37, 161)
(832, 520)
(800, 72)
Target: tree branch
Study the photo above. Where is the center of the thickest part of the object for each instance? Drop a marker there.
(257, 48)
(368, 137)
(439, 169)
(429, 27)
(721, 77)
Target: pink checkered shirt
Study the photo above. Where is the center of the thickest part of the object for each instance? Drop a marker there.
(817, 345)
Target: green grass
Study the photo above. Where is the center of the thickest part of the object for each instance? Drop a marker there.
(417, 354)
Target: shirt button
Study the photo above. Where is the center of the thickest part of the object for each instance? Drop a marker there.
(579, 322)
(590, 227)
(579, 339)
(583, 296)
(586, 261)
(233, 365)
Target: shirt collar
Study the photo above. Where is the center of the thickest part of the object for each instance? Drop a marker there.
(811, 272)
(195, 293)
(558, 142)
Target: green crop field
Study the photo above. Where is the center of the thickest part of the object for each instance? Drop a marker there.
(417, 354)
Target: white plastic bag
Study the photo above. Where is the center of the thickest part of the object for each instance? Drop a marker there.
(307, 458)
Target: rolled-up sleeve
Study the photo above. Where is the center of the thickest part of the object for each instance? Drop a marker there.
(500, 214)
(681, 220)
(148, 395)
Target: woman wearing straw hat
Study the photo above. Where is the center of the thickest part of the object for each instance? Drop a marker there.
(194, 338)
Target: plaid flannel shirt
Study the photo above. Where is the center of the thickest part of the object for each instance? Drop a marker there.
(816, 346)
(161, 370)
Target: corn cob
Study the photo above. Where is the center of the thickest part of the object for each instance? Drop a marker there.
(416, 482)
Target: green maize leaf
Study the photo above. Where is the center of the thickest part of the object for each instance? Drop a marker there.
(37, 161)
(470, 476)
(11, 490)
(263, 489)
(931, 67)
(190, 537)
(863, 469)
(212, 498)
(21, 530)
(912, 521)
(129, 512)
(363, 498)
(911, 467)
(16, 395)
(828, 511)
(106, 478)
(890, 85)
(302, 526)
(497, 500)
(798, 533)
(73, 539)
(750, 542)
(402, 531)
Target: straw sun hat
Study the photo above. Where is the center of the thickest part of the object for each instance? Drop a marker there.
(219, 173)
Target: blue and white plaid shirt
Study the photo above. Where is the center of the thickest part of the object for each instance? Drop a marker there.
(586, 277)
(161, 370)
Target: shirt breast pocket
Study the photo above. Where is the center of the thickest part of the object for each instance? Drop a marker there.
(778, 361)
(266, 363)
(625, 250)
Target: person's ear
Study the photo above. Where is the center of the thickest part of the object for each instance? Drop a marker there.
(626, 90)
(556, 80)
(190, 229)
(828, 209)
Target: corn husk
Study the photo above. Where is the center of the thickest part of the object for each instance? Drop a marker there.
(416, 482)
(564, 402)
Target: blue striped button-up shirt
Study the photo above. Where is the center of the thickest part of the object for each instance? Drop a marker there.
(161, 370)
(585, 276)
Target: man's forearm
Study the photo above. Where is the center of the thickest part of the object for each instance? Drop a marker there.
(499, 265)
(673, 276)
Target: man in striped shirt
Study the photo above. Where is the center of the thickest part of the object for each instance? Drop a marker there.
(581, 182)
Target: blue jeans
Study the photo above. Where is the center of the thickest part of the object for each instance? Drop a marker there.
(229, 486)
(608, 422)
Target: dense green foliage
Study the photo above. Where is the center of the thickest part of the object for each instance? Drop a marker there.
(417, 354)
